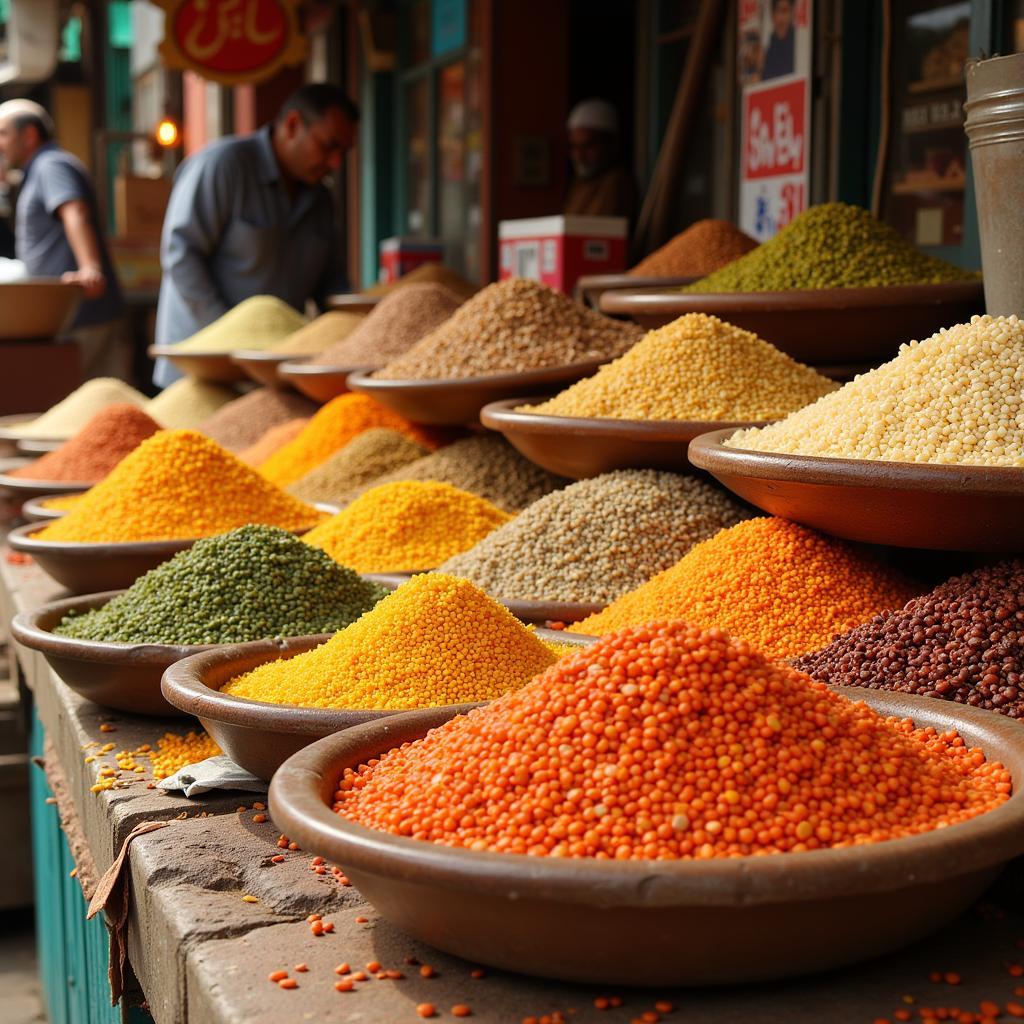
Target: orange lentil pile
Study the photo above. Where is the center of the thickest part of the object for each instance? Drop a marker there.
(405, 526)
(340, 420)
(784, 588)
(178, 484)
(701, 249)
(273, 440)
(96, 449)
(666, 741)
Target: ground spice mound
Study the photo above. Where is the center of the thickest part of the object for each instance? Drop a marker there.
(705, 246)
(696, 368)
(327, 329)
(365, 458)
(434, 641)
(510, 327)
(273, 440)
(401, 527)
(96, 449)
(954, 399)
(245, 420)
(597, 538)
(833, 245)
(249, 584)
(338, 422)
(62, 503)
(963, 641)
(62, 421)
(186, 403)
(486, 465)
(427, 273)
(178, 484)
(782, 587)
(397, 322)
(255, 323)
(666, 741)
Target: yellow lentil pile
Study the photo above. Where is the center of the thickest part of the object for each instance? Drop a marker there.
(173, 752)
(956, 398)
(312, 338)
(255, 323)
(784, 588)
(696, 368)
(436, 640)
(187, 403)
(178, 484)
(338, 422)
(406, 526)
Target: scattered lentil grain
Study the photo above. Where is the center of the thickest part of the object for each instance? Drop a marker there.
(704, 247)
(255, 323)
(63, 420)
(244, 421)
(174, 752)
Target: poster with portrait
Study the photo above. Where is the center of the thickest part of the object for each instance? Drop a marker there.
(774, 50)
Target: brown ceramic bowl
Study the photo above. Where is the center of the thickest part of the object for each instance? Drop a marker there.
(662, 923)
(25, 487)
(35, 510)
(945, 508)
(591, 287)
(89, 568)
(353, 302)
(37, 307)
(262, 367)
(579, 447)
(9, 438)
(455, 402)
(217, 367)
(256, 735)
(321, 383)
(829, 326)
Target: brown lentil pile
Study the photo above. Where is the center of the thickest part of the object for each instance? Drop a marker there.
(695, 368)
(327, 329)
(701, 249)
(955, 399)
(597, 538)
(245, 420)
(273, 440)
(366, 458)
(962, 641)
(427, 273)
(487, 466)
(510, 327)
(398, 321)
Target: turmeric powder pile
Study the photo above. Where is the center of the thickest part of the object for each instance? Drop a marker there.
(436, 640)
(665, 741)
(782, 587)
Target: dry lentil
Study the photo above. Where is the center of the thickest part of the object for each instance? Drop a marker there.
(512, 326)
(705, 246)
(778, 585)
(365, 458)
(696, 368)
(325, 330)
(415, 524)
(273, 440)
(63, 420)
(962, 641)
(956, 398)
(398, 321)
(174, 751)
(485, 465)
(665, 741)
(251, 583)
(255, 323)
(597, 538)
(177, 484)
(833, 245)
(63, 502)
(435, 641)
(244, 421)
(427, 273)
(187, 403)
(96, 449)
(338, 422)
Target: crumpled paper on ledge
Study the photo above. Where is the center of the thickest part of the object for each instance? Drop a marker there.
(218, 772)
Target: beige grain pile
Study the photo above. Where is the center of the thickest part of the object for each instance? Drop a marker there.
(255, 323)
(186, 403)
(326, 330)
(63, 420)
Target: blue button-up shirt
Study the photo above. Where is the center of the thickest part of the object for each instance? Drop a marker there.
(233, 230)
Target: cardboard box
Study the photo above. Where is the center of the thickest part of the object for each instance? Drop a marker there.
(559, 250)
(399, 256)
(139, 206)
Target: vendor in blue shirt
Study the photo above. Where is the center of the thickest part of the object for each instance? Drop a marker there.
(250, 215)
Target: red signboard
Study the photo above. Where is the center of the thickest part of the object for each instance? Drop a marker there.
(774, 120)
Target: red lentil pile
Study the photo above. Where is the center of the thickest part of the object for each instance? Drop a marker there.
(701, 249)
(963, 641)
(666, 741)
(96, 449)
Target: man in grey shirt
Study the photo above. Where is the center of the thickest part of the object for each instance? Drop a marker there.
(249, 215)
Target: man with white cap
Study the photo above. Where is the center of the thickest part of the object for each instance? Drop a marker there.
(602, 185)
(58, 234)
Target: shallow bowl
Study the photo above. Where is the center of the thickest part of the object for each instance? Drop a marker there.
(353, 302)
(591, 287)
(25, 487)
(262, 367)
(39, 307)
(321, 383)
(35, 511)
(217, 367)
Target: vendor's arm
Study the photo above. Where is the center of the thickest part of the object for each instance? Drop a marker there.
(81, 236)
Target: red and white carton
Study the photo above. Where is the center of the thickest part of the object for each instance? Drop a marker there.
(559, 250)
(400, 255)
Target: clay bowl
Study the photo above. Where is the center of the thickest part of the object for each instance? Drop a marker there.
(577, 447)
(353, 302)
(945, 508)
(455, 402)
(262, 367)
(830, 325)
(35, 510)
(256, 735)
(9, 438)
(591, 287)
(661, 923)
(89, 568)
(217, 367)
(24, 487)
(38, 307)
(321, 383)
